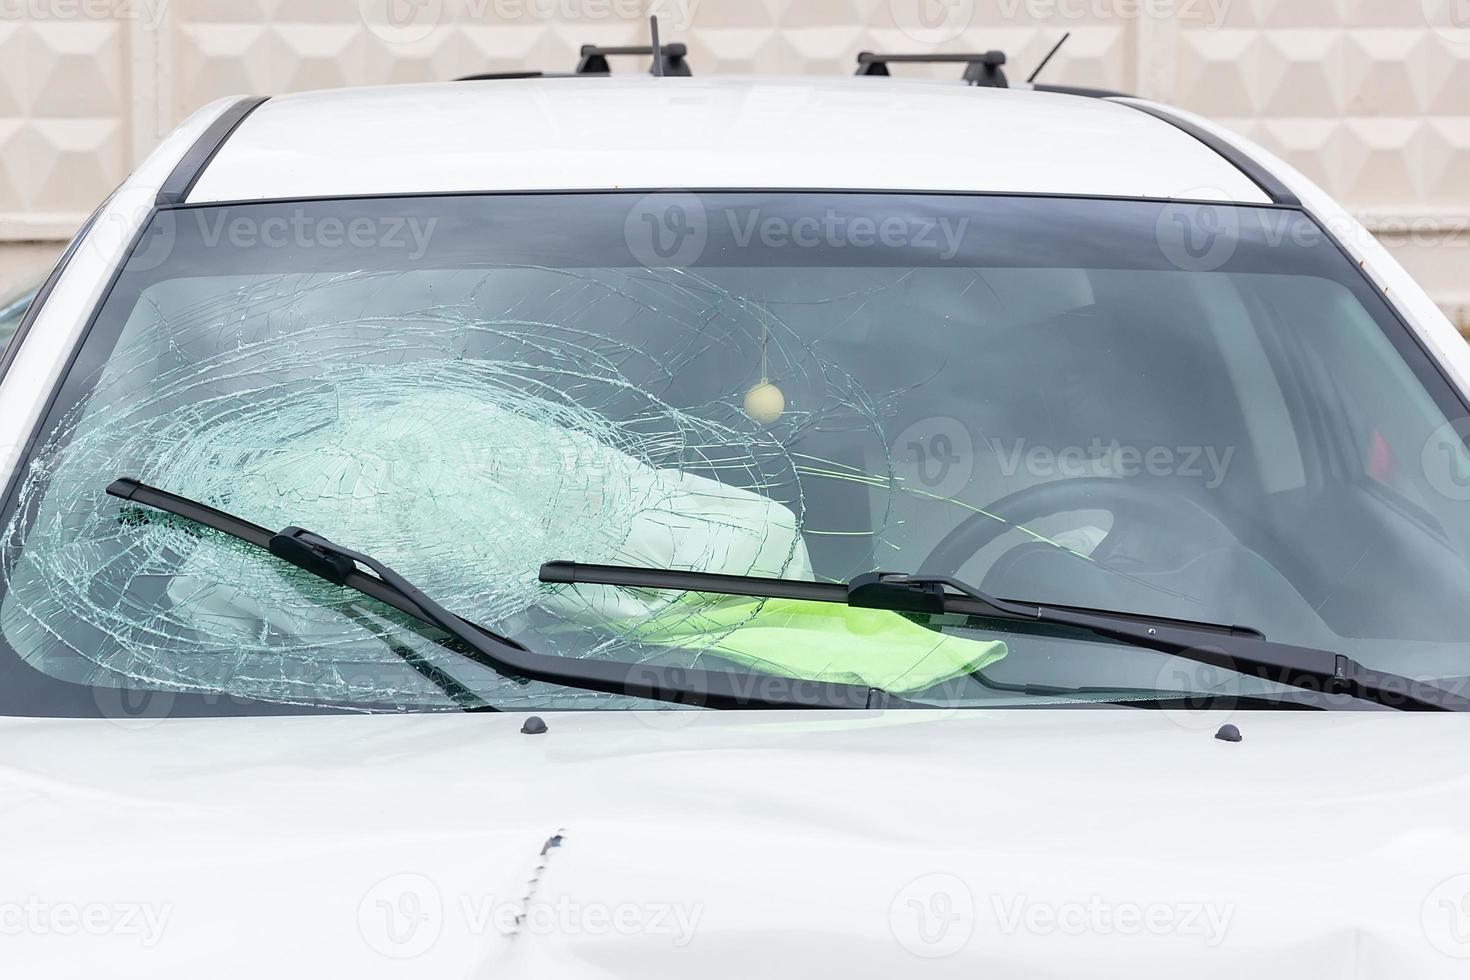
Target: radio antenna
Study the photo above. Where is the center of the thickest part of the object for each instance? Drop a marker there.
(658, 52)
(1044, 61)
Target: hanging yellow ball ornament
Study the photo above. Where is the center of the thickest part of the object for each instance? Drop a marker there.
(765, 403)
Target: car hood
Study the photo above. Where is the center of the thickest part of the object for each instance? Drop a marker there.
(1043, 843)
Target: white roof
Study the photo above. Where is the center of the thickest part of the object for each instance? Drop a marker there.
(639, 132)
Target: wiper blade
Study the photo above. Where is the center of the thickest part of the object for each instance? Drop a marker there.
(1237, 648)
(343, 566)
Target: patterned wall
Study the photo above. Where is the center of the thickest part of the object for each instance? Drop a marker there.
(1370, 97)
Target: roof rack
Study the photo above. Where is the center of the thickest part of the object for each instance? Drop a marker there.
(670, 58)
(983, 69)
(593, 63)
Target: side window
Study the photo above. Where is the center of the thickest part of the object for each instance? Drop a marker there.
(1388, 422)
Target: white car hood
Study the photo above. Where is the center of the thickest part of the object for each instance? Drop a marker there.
(1036, 843)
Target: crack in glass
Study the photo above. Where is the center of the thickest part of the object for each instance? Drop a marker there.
(464, 441)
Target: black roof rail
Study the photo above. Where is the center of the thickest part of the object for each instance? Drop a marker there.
(983, 69)
(671, 57)
(496, 76)
(196, 158)
(1089, 93)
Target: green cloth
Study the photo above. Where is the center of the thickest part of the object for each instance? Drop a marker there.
(818, 641)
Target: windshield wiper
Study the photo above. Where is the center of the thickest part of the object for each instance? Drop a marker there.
(340, 566)
(1236, 648)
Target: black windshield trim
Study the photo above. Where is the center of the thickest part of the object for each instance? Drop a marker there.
(643, 191)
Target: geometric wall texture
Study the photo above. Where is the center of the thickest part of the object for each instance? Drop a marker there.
(1369, 97)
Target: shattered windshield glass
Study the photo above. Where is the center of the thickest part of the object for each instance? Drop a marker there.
(800, 386)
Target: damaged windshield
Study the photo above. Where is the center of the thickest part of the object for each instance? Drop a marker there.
(1073, 402)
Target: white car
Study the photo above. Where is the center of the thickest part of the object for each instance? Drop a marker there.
(847, 526)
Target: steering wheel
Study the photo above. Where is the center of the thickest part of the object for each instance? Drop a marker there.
(1131, 502)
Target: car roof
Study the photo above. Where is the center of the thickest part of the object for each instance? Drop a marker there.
(640, 132)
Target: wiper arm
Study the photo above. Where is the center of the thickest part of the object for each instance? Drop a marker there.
(340, 566)
(1236, 648)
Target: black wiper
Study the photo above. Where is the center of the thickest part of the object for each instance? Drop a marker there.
(340, 566)
(1236, 648)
